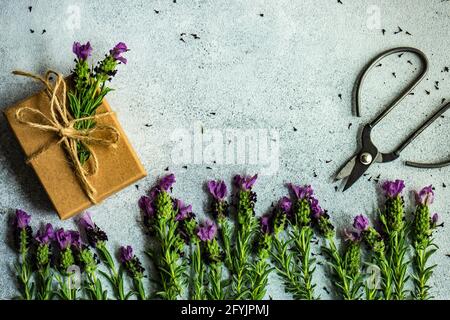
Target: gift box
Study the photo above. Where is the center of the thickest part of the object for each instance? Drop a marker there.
(118, 165)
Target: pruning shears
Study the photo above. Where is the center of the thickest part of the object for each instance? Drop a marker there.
(368, 153)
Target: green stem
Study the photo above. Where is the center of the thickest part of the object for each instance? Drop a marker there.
(260, 272)
(242, 259)
(420, 290)
(94, 287)
(215, 276)
(115, 276)
(246, 228)
(371, 293)
(398, 264)
(139, 288)
(422, 273)
(283, 260)
(386, 276)
(198, 273)
(168, 266)
(45, 279)
(302, 242)
(24, 278)
(66, 292)
(225, 234)
(239, 267)
(338, 266)
(23, 267)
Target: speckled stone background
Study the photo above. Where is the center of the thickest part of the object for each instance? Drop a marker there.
(285, 67)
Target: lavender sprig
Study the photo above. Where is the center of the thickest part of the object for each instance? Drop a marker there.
(160, 218)
(207, 232)
(97, 239)
(376, 244)
(134, 268)
(282, 257)
(188, 231)
(218, 190)
(93, 285)
(394, 227)
(197, 291)
(305, 208)
(88, 262)
(246, 229)
(43, 263)
(67, 289)
(23, 236)
(260, 269)
(424, 248)
(346, 267)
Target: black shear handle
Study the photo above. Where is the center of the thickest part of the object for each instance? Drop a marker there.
(403, 94)
(416, 133)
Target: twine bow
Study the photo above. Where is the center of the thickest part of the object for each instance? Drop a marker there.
(63, 125)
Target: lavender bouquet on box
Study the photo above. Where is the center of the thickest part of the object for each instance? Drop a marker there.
(89, 86)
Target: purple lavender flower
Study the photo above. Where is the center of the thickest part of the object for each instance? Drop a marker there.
(245, 183)
(82, 51)
(207, 230)
(302, 192)
(86, 221)
(146, 205)
(393, 188)
(184, 212)
(44, 237)
(265, 222)
(166, 182)
(316, 210)
(435, 218)
(23, 234)
(93, 232)
(117, 51)
(434, 221)
(361, 223)
(425, 196)
(22, 219)
(218, 189)
(75, 239)
(126, 253)
(286, 205)
(63, 238)
(132, 264)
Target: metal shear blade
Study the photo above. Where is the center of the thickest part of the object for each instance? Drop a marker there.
(346, 170)
(354, 169)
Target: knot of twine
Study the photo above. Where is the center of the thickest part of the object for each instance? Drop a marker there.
(63, 125)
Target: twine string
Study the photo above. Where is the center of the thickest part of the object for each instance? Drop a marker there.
(63, 125)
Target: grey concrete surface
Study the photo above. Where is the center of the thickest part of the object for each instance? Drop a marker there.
(285, 67)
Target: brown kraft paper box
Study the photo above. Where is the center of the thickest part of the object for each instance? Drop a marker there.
(118, 166)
